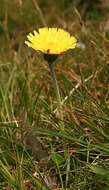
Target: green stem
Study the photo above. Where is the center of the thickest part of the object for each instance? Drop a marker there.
(52, 70)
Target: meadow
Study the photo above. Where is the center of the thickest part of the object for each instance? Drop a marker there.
(39, 150)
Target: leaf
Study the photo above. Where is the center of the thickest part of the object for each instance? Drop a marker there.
(98, 170)
(57, 158)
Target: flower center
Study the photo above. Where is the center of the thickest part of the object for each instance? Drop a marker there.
(49, 47)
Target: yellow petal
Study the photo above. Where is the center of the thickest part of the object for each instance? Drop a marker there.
(51, 40)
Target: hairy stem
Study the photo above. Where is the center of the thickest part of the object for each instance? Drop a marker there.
(56, 86)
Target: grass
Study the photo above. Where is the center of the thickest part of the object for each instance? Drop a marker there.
(34, 153)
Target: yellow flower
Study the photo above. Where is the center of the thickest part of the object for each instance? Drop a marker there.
(51, 41)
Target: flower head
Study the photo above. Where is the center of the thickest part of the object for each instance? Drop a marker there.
(51, 40)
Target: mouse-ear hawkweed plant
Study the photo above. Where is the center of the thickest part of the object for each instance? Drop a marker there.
(52, 42)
